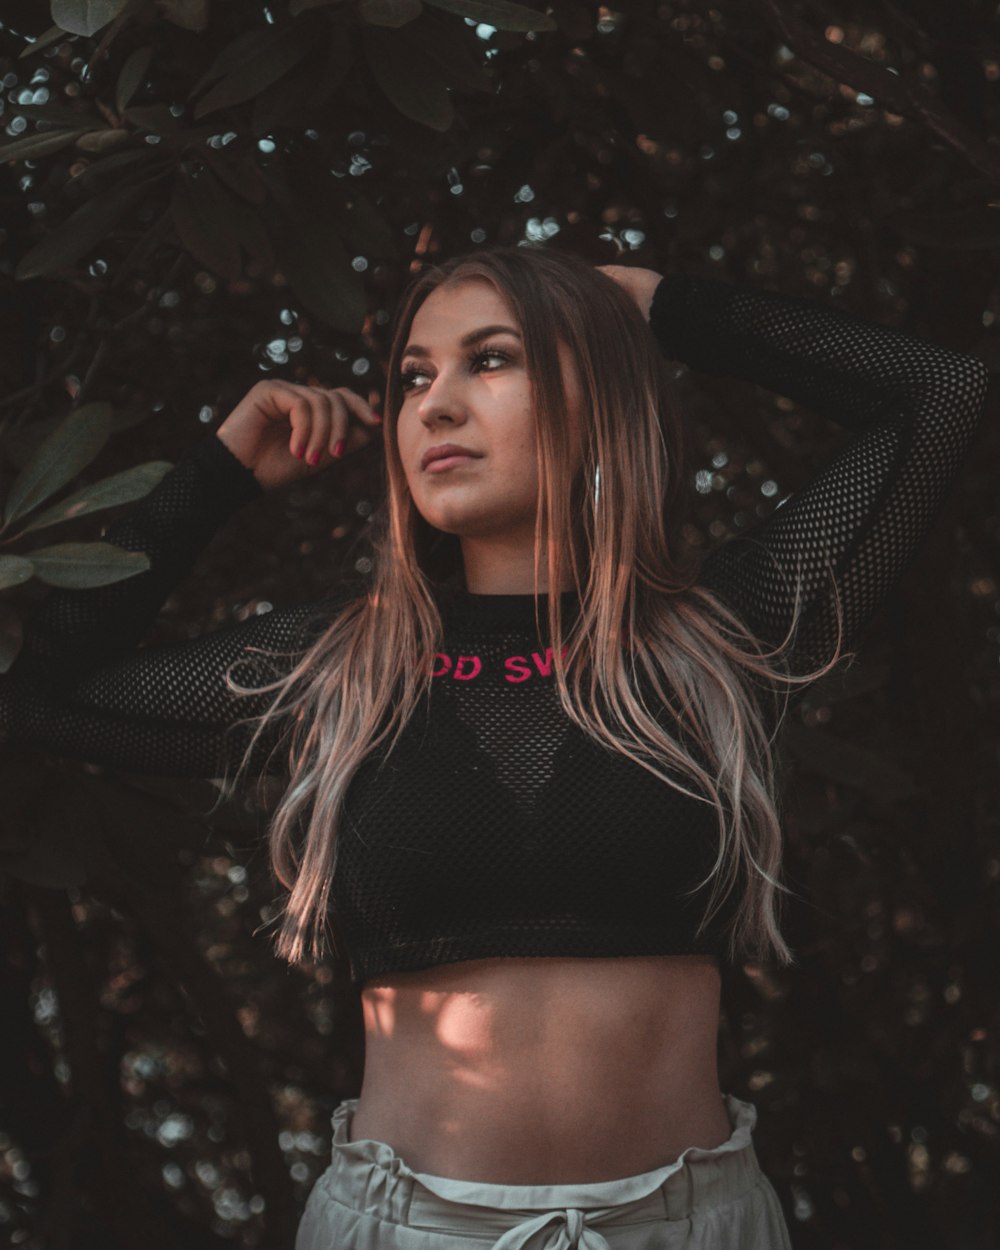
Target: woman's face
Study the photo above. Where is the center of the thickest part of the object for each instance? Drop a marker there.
(476, 395)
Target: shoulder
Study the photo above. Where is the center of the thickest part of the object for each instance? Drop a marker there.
(317, 615)
(296, 626)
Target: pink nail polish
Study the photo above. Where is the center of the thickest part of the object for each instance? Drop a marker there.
(314, 458)
(338, 448)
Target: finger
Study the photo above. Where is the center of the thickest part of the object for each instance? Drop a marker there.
(345, 404)
(319, 435)
(358, 407)
(343, 436)
(276, 397)
(335, 428)
(300, 419)
(308, 413)
(283, 402)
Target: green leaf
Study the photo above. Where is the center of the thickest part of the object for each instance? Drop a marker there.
(79, 566)
(272, 59)
(232, 57)
(292, 99)
(364, 226)
(156, 118)
(275, 103)
(82, 230)
(103, 140)
(129, 418)
(32, 146)
(132, 76)
(317, 267)
(390, 12)
(413, 86)
(124, 487)
(11, 636)
(14, 570)
(85, 17)
(337, 60)
(105, 164)
(81, 116)
(454, 49)
(498, 13)
(249, 231)
(194, 138)
(239, 174)
(188, 14)
(199, 213)
(21, 443)
(71, 446)
(50, 36)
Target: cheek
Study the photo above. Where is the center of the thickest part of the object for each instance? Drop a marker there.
(518, 432)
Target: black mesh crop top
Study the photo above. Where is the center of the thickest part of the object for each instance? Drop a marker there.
(495, 828)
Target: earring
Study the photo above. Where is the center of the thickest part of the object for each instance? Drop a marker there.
(597, 485)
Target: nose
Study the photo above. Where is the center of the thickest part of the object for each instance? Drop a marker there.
(441, 401)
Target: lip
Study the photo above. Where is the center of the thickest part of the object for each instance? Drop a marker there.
(444, 463)
(450, 452)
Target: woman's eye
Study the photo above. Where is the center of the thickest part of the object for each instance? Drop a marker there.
(407, 376)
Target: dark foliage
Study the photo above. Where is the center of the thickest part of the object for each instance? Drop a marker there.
(198, 193)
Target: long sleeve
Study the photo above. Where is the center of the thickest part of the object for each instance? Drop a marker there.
(81, 689)
(914, 408)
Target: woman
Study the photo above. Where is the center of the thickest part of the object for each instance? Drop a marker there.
(529, 768)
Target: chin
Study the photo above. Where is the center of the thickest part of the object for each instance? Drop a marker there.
(460, 521)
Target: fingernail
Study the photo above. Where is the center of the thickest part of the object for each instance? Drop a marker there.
(297, 452)
(338, 447)
(377, 416)
(314, 458)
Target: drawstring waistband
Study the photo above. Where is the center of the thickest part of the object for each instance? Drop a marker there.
(369, 1199)
(371, 1177)
(576, 1231)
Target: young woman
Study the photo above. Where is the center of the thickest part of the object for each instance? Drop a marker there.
(529, 766)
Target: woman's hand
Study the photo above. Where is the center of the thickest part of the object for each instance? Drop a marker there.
(283, 431)
(640, 283)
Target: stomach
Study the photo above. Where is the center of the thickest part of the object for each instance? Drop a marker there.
(543, 1070)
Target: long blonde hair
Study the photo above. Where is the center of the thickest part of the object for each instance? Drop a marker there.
(644, 626)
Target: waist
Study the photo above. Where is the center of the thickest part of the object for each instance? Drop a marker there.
(611, 1061)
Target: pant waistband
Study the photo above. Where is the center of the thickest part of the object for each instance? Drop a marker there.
(370, 1177)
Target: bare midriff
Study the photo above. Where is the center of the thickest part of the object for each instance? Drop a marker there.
(544, 1070)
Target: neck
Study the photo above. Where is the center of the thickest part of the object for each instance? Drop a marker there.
(505, 567)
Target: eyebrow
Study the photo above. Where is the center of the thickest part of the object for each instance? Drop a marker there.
(475, 336)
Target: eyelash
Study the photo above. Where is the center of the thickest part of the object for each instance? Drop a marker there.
(407, 375)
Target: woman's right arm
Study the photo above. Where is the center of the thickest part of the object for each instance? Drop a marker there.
(164, 711)
(79, 688)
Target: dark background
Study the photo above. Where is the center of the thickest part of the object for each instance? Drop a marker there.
(207, 192)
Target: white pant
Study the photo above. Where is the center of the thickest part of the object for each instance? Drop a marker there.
(369, 1199)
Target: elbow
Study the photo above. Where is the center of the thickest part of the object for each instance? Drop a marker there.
(969, 379)
(955, 386)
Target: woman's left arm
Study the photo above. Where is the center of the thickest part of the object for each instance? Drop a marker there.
(914, 407)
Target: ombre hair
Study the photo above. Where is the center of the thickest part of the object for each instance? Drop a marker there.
(646, 632)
